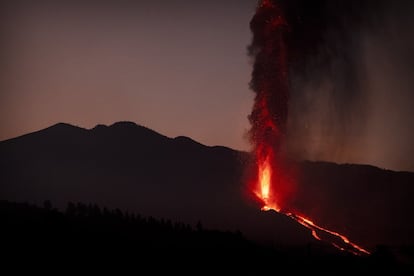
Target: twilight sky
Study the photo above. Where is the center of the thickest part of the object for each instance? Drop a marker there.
(180, 67)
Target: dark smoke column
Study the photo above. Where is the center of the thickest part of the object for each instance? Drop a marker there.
(272, 184)
(269, 115)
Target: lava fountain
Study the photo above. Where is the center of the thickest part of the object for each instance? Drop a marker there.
(273, 185)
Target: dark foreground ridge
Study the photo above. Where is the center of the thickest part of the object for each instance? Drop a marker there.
(88, 232)
(130, 167)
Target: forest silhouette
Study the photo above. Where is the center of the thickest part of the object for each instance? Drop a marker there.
(87, 231)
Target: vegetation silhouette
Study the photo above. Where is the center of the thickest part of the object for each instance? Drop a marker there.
(134, 168)
(199, 189)
(87, 232)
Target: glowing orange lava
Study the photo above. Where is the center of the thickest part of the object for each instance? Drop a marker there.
(347, 244)
(273, 184)
(264, 189)
(264, 181)
(334, 238)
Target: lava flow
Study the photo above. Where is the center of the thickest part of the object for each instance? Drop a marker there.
(336, 239)
(272, 185)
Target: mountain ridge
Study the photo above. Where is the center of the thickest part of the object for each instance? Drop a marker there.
(132, 167)
(63, 128)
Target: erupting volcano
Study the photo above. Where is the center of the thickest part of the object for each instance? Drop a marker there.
(273, 184)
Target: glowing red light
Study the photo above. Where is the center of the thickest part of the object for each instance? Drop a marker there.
(268, 119)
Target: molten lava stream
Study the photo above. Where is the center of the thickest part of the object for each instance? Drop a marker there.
(264, 192)
(268, 119)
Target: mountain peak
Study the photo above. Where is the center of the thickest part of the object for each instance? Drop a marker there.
(59, 130)
(186, 139)
(126, 124)
(63, 126)
(131, 126)
(99, 127)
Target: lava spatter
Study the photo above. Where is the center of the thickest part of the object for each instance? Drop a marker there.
(270, 82)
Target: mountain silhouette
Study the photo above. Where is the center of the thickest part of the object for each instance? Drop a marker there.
(369, 204)
(134, 168)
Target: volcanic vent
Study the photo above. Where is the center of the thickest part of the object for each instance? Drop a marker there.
(273, 182)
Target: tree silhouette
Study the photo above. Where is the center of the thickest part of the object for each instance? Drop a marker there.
(86, 230)
(47, 204)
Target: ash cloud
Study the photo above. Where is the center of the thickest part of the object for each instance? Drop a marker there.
(351, 81)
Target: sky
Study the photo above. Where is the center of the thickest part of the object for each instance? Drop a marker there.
(181, 67)
(178, 67)
(352, 85)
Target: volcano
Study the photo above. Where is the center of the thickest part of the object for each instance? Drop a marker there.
(272, 184)
(134, 168)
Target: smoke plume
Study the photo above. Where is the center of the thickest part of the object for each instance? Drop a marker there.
(351, 84)
(269, 76)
